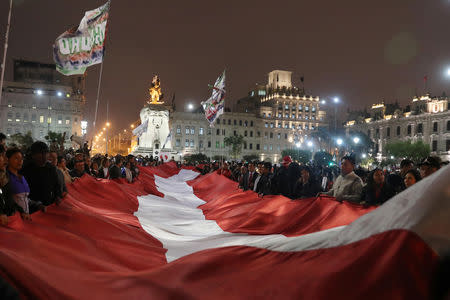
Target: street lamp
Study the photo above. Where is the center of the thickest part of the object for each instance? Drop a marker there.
(356, 140)
(339, 141)
(190, 106)
(310, 144)
(364, 155)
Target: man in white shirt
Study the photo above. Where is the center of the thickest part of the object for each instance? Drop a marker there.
(348, 186)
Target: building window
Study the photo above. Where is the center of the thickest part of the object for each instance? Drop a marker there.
(265, 147)
(279, 125)
(286, 126)
(192, 143)
(245, 133)
(266, 135)
(306, 127)
(223, 131)
(270, 147)
(177, 143)
(251, 123)
(279, 115)
(10, 116)
(187, 130)
(251, 133)
(41, 119)
(447, 145)
(306, 108)
(271, 125)
(25, 117)
(59, 120)
(217, 131)
(229, 121)
(279, 135)
(258, 133)
(264, 115)
(448, 125)
(192, 130)
(250, 146)
(17, 117)
(186, 144)
(285, 136)
(435, 126)
(200, 131)
(434, 146)
(312, 127)
(398, 130)
(420, 128)
(246, 123)
(33, 118)
(200, 144)
(270, 115)
(49, 120)
(245, 145)
(306, 117)
(257, 146)
(300, 108)
(313, 109)
(286, 116)
(178, 129)
(234, 122)
(409, 129)
(217, 144)
(234, 133)
(388, 131)
(209, 144)
(299, 126)
(286, 107)
(266, 125)
(218, 121)
(271, 135)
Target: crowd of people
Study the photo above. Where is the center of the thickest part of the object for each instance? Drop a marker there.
(33, 178)
(349, 182)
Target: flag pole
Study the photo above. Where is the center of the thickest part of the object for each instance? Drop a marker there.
(5, 50)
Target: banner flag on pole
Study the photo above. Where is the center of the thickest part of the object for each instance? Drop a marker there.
(138, 131)
(215, 105)
(168, 138)
(79, 48)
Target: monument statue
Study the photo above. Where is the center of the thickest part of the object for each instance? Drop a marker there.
(153, 135)
(155, 91)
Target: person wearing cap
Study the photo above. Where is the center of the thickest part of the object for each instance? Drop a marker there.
(348, 185)
(429, 165)
(42, 176)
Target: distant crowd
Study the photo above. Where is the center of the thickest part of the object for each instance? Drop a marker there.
(33, 178)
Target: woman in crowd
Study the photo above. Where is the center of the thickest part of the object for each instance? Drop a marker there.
(94, 169)
(411, 177)
(19, 185)
(128, 174)
(376, 191)
(306, 186)
(104, 170)
(7, 205)
(62, 167)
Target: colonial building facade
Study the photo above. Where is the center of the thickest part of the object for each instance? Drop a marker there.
(428, 120)
(271, 118)
(40, 100)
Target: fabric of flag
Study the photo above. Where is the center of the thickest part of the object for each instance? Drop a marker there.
(215, 105)
(138, 131)
(82, 46)
(172, 234)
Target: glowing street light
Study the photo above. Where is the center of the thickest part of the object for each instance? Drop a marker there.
(132, 126)
(336, 100)
(108, 124)
(298, 144)
(339, 141)
(39, 92)
(310, 144)
(323, 102)
(356, 140)
(364, 155)
(190, 106)
(59, 94)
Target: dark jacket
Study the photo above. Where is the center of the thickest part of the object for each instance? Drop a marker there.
(265, 185)
(76, 174)
(310, 189)
(7, 204)
(369, 195)
(282, 184)
(43, 182)
(247, 182)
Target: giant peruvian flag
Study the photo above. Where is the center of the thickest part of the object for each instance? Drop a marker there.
(176, 235)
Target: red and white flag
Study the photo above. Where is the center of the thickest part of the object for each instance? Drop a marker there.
(173, 234)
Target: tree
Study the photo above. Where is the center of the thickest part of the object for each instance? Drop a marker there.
(56, 140)
(322, 158)
(235, 142)
(413, 151)
(219, 157)
(251, 157)
(21, 140)
(303, 156)
(199, 157)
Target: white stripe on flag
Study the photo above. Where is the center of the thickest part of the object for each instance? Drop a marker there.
(182, 228)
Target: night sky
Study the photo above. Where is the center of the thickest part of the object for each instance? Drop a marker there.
(361, 51)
